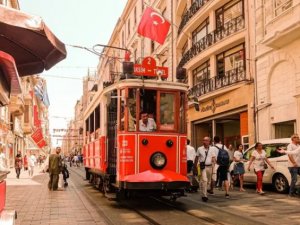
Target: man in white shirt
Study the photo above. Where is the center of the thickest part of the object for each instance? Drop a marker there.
(31, 164)
(207, 155)
(146, 123)
(293, 163)
(191, 155)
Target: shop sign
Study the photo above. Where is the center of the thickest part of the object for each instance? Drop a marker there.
(214, 105)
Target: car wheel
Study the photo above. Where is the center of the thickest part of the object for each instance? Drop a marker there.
(280, 183)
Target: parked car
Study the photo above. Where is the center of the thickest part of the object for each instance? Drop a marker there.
(280, 178)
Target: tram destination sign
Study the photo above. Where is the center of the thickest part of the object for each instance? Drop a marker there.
(149, 68)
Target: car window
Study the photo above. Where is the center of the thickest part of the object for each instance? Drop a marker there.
(271, 149)
(248, 154)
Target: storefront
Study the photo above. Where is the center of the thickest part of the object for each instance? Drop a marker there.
(228, 115)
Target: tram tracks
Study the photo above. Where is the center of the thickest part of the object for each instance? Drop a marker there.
(160, 211)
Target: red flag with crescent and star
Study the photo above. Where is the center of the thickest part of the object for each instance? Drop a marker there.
(153, 26)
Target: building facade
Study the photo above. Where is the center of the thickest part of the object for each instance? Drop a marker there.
(278, 68)
(215, 45)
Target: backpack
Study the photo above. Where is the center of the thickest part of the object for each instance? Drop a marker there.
(223, 157)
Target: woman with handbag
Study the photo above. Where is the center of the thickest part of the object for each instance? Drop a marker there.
(239, 168)
(260, 165)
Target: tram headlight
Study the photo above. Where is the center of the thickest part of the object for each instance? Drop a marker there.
(158, 160)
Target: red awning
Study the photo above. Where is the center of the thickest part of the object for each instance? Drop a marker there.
(28, 39)
(8, 66)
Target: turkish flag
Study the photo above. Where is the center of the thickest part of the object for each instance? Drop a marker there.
(153, 26)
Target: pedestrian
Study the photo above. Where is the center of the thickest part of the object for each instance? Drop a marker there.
(239, 169)
(3, 166)
(76, 160)
(65, 172)
(230, 152)
(293, 152)
(223, 162)
(54, 169)
(31, 161)
(206, 157)
(18, 164)
(25, 162)
(261, 162)
(191, 155)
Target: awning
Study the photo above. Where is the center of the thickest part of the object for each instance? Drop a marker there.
(8, 67)
(29, 41)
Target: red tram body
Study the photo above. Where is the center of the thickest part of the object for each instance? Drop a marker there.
(120, 156)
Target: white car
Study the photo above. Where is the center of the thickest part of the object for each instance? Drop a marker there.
(280, 178)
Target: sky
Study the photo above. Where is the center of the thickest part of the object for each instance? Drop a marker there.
(74, 22)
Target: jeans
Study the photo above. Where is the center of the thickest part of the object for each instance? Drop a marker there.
(18, 172)
(294, 172)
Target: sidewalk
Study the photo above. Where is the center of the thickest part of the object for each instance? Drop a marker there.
(35, 204)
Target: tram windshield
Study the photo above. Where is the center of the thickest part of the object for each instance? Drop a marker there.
(152, 110)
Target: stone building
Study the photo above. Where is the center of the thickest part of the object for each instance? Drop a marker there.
(278, 68)
(215, 45)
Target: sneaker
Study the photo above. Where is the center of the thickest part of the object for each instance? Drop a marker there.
(261, 192)
(210, 192)
(292, 195)
(204, 199)
(227, 196)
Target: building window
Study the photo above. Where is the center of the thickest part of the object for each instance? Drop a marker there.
(284, 129)
(123, 39)
(230, 60)
(201, 73)
(128, 27)
(200, 32)
(184, 48)
(228, 12)
(282, 5)
(26, 115)
(152, 46)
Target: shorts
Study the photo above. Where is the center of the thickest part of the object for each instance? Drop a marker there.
(223, 170)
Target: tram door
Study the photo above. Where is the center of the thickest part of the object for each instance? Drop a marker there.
(112, 134)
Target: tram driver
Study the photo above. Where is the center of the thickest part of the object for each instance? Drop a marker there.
(146, 123)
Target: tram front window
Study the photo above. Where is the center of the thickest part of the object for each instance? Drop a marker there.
(167, 111)
(147, 120)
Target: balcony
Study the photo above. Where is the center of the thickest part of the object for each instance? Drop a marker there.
(195, 7)
(215, 83)
(16, 104)
(284, 28)
(229, 28)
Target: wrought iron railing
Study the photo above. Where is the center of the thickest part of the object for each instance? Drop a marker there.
(213, 37)
(195, 7)
(230, 77)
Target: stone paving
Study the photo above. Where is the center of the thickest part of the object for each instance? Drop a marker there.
(35, 204)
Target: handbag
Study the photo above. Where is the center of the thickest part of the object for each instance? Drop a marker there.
(202, 164)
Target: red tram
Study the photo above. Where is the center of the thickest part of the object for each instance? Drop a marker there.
(135, 137)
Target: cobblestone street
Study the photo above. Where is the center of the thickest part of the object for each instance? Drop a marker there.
(81, 204)
(35, 204)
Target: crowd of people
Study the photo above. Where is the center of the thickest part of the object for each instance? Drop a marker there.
(210, 163)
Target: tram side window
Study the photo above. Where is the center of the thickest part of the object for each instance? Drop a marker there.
(167, 111)
(122, 110)
(147, 110)
(132, 110)
(182, 123)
